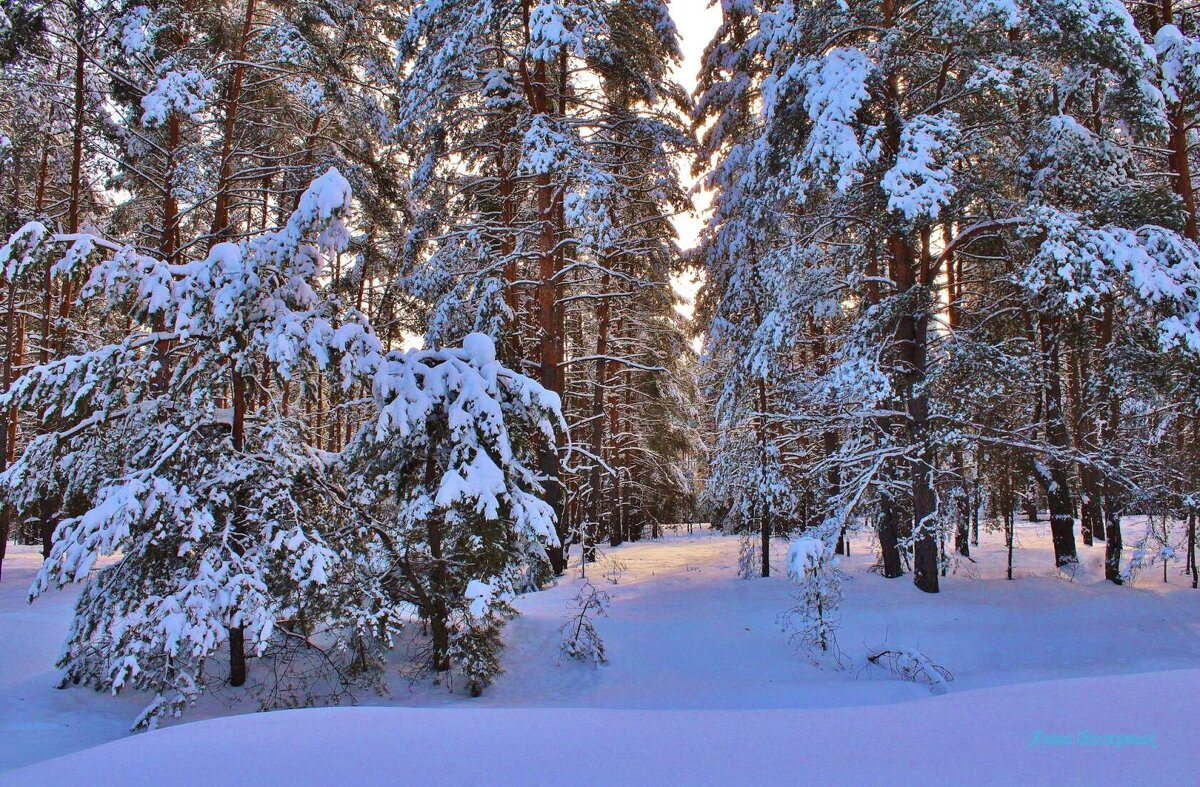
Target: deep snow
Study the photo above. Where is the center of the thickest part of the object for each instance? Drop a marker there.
(701, 687)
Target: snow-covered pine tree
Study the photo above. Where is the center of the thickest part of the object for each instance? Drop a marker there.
(812, 566)
(221, 518)
(447, 472)
(864, 182)
(749, 485)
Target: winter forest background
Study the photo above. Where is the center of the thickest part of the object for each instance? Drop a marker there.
(339, 334)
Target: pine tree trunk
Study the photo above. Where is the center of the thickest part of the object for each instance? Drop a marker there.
(1109, 399)
(765, 517)
(912, 336)
(508, 218)
(887, 526)
(833, 485)
(1181, 167)
(604, 313)
(954, 294)
(1009, 528)
(550, 344)
(1191, 547)
(975, 504)
(233, 94)
(631, 533)
(889, 537)
(439, 617)
(47, 278)
(1054, 476)
(962, 521)
(237, 639)
(48, 509)
(616, 513)
(550, 351)
(1081, 427)
(5, 437)
(74, 206)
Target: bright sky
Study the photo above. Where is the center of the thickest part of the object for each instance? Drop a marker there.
(697, 21)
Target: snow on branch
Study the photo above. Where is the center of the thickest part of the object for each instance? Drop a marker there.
(911, 665)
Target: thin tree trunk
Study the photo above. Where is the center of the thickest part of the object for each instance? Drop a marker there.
(233, 96)
(9, 331)
(833, 486)
(237, 639)
(1009, 527)
(168, 248)
(1192, 549)
(765, 517)
(975, 503)
(887, 526)
(73, 208)
(1110, 400)
(604, 313)
(1181, 166)
(962, 508)
(1081, 427)
(439, 617)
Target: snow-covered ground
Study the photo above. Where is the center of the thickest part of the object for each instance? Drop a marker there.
(701, 687)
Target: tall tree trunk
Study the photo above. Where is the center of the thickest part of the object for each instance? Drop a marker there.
(237, 638)
(604, 314)
(550, 342)
(976, 499)
(627, 522)
(508, 245)
(1108, 398)
(962, 513)
(74, 206)
(1009, 528)
(1091, 525)
(550, 346)
(617, 510)
(1191, 547)
(887, 527)
(764, 523)
(889, 536)
(233, 95)
(1181, 167)
(10, 320)
(439, 617)
(168, 247)
(1054, 476)
(912, 334)
(962, 508)
(833, 485)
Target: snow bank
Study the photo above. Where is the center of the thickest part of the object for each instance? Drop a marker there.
(1055, 732)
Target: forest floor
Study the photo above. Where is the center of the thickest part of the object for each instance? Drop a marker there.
(1056, 680)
